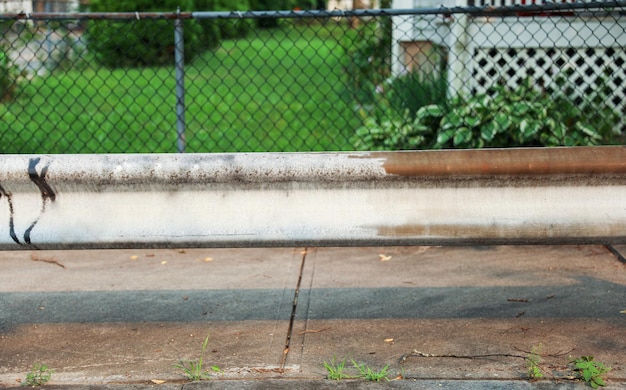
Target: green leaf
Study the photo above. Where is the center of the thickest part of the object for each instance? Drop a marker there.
(420, 128)
(453, 119)
(430, 110)
(362, 131)
(521, 108)
(472, 121)
(462, 136)
(444, 136)
(488, 131)
(502, 121)
(529, 128)
(559, 130)
(588, 130)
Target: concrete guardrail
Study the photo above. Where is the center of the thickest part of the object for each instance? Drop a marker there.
(497, 196)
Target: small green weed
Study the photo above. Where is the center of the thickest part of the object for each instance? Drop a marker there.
(193, 369)
(39, 375)
(532, 362)
(335, 369)
(367, 373)
(590, 371)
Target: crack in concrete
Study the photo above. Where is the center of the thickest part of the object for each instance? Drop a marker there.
(616, 253)
(294, 306)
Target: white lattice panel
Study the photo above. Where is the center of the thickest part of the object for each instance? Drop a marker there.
(586, 70)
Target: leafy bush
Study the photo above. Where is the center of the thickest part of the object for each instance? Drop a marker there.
(143, 42)
(15, 33)
(270, 5)
(393, 124)
(10, 76)
(412, 91)
(367, 63)
(6, 81)
(390, 133)
(213, 30)
(504, 117)
(524, 116)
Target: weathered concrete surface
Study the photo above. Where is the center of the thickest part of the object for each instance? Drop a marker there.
(128, 316)
(121, 318)
(378, 305)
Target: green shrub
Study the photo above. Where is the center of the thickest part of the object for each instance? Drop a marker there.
(392, 132)
(215, 29)
(392, 124)
(524, 116)
(143, 42)
(504, 117)
(310, 4)
(10, 76)
(7, 84)
(412, 91)
(367, 64)
(270, 5)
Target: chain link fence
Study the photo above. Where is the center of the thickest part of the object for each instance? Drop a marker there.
(477, 76)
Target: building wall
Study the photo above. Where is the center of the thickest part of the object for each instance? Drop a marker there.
(30, 6)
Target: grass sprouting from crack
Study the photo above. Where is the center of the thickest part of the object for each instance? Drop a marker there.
(193, 369)
(367, 373)
(335, 369)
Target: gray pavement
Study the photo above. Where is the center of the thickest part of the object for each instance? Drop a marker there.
(438, 317)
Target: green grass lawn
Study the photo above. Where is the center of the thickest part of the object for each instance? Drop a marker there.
(281, 90)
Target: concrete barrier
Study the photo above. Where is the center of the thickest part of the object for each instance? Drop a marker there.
(497, 196)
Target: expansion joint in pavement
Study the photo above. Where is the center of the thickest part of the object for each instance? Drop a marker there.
(294, 306)
(616, 253)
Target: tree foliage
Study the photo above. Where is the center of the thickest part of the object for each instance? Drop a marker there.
(141, 42)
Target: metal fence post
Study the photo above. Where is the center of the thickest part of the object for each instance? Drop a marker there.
(48, 64)
(179, 59)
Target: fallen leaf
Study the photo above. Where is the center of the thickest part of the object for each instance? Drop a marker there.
(384, 258)
(421, 249)
(313, 331)
(390, 341)
(181, 251)
(50, 260)
(157, 381)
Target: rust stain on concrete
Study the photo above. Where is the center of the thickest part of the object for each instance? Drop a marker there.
(515, 162)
